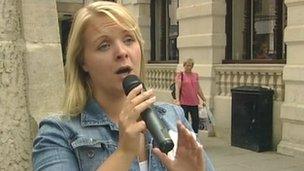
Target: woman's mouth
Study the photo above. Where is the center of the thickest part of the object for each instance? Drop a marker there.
(124, 71)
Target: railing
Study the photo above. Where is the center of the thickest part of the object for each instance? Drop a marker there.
(233, 75)
(227, 76)
(160, 76)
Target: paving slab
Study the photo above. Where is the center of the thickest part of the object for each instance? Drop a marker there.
(229, 158)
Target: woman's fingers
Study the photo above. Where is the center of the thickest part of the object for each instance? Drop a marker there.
(139, 126)
(137, 101)
(199, 154)
(134, 92)
(188, 147)
(143, 96)
(130, 127)
(163, 157)
(188, 157)
(185, 137)
(138, 95)
(145, 104)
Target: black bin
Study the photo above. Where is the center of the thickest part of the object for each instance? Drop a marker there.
(251, 114)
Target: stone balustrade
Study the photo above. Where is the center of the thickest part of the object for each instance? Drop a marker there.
(160, 76)
(233, 75)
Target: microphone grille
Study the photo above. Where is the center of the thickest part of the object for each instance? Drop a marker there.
(130, 82)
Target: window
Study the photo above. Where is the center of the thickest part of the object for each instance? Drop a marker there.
(164, 31)
(66, 10)
(65, 26)
(254, 30)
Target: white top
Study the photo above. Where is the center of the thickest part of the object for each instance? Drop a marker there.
(143, 166)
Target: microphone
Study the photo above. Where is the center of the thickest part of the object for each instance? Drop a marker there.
(154, 124)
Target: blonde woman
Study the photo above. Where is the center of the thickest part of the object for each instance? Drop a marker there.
(101, 129)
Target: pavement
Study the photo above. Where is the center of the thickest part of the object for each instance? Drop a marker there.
(229, 158)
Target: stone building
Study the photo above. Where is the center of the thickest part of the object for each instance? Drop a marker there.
(31, 75)
(224, 37)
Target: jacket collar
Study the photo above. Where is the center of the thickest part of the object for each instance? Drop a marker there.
(94, 115)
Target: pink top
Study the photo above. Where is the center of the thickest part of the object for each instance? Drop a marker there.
(189, 86)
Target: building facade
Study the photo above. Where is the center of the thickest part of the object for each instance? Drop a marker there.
(233, 43)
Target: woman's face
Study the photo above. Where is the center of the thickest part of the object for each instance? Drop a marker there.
(110, 54)
(188, 67)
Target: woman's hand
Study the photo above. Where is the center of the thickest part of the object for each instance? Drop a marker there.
(189, 154)
(130, 125)
(176, 102)
(204, 103)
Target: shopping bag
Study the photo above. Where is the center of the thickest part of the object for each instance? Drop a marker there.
(203, 119)
(172, 88)
(210, 116)
(206, 121)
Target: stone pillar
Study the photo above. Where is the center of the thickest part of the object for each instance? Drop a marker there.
(141, 11)
(202, 37)
(15, 142)
(44, 64)
(292, 110)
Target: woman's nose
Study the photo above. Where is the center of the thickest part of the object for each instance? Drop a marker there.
(121, 51)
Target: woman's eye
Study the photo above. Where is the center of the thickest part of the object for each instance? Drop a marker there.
(104, 46)
(129, 40)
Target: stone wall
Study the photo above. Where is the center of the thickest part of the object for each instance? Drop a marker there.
(43, 57)
(31, 76)
(15, 143)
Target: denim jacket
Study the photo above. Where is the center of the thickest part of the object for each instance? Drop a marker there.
(85, 141)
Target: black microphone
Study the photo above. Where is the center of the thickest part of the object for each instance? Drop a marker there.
(154, 124)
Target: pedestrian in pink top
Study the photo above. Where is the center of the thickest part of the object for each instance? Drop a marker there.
(188, 92)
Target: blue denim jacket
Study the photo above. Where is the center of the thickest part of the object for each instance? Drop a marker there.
(85, 141)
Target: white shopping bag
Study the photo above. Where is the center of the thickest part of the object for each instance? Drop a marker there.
(203, 113)
(206, 121)
(203, 118)
(210, 116)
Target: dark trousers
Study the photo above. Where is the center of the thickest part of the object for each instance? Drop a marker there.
(193, 110)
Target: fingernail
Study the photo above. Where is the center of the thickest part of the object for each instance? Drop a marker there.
(139, 86)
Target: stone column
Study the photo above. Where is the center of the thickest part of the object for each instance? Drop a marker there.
(44, 64)
(202, 37)
(15, 142)
(141, 11)
(292, 110)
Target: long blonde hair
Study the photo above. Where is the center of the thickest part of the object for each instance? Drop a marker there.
(78, 88)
